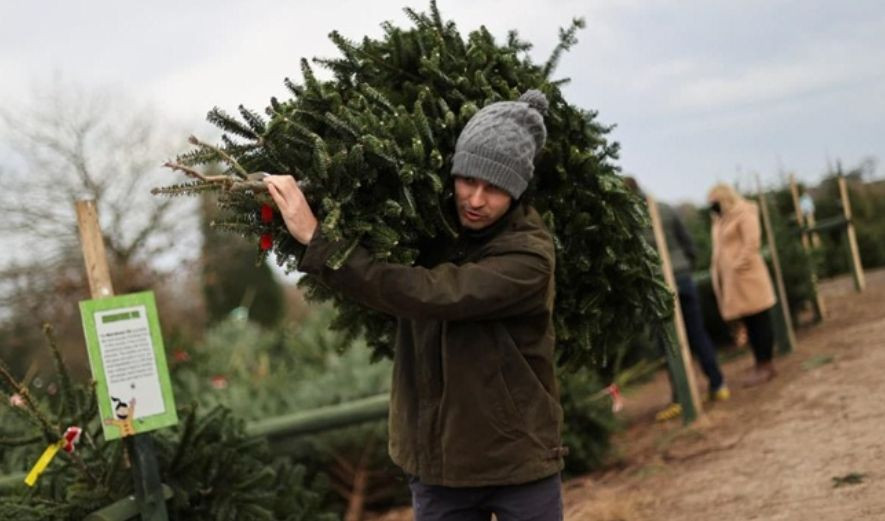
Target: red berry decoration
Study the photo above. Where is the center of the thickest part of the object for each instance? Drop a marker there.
(266, 242)
(266, 213)
(219, 382)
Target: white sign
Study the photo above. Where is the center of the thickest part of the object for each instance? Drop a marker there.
(127, 354)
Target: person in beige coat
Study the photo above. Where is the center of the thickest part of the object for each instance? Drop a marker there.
(740, 278)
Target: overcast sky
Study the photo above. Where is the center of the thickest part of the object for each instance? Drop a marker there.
(700, 90)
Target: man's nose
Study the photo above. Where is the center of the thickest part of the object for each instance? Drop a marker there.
(477, 197)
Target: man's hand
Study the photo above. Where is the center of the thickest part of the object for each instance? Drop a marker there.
(293, 206)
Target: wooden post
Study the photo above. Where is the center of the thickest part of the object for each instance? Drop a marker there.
(800, 217)
(94, 255)
(678, 356)
(815, 237)
(145, 472)
(782, 321)
(820, 309)
(856, 266)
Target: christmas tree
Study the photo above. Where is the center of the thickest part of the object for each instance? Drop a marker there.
(214, 469)
(230, 280)
(311, 368)
(372, 150)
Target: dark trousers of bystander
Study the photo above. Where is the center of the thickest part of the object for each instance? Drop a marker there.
(698, 339)
(760, 332)
(536, 501)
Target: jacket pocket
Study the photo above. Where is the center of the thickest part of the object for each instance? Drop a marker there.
(505, 414)
(536, 410)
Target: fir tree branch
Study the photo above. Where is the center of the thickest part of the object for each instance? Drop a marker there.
(435, 16)
(225, 182)
(516, 44)
(567, 39)
(68, 394)
(245, 186)
(21, 440)
(184, 440)
(348, 47)
(195, 174)
(225, 121)
(419, 19)
(255, 122)
(221, 153)
(193, 188)
(90, 440)
(90, 410)
(50, 432)
(78, 461)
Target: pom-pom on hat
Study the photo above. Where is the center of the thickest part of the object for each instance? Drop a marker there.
(500, 142)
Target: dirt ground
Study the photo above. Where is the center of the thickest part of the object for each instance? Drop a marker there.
(808, 445)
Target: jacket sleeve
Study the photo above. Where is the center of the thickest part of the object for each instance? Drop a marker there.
(493, 287)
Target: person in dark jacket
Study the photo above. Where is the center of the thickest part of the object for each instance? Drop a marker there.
(681, 248)
(475, 420)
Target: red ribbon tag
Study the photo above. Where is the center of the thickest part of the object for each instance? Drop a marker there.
(617, 400)
(71, 437)
(266, 242)
(266, 214)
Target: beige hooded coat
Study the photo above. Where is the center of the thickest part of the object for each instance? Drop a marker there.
(740, 278)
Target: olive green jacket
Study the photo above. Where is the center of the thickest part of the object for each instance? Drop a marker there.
(474, 400)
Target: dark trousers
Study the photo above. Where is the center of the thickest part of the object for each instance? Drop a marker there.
(536, 501)
(698, 339)
(761, 335)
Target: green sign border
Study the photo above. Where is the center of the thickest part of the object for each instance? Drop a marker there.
(88, 308)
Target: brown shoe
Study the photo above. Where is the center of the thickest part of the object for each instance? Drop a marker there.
(760, 374)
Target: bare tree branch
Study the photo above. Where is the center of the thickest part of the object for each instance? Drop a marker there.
(67, 144)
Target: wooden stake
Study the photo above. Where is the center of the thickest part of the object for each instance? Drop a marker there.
(145, 472)
(678, 360)
(820, 309)
(815, 237)
(800, 217)
(782, 320)
(94, 255)
(856, 266)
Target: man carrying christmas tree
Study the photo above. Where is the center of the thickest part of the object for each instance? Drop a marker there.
(475, 418)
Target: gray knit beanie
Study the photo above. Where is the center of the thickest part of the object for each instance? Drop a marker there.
(500, 142)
